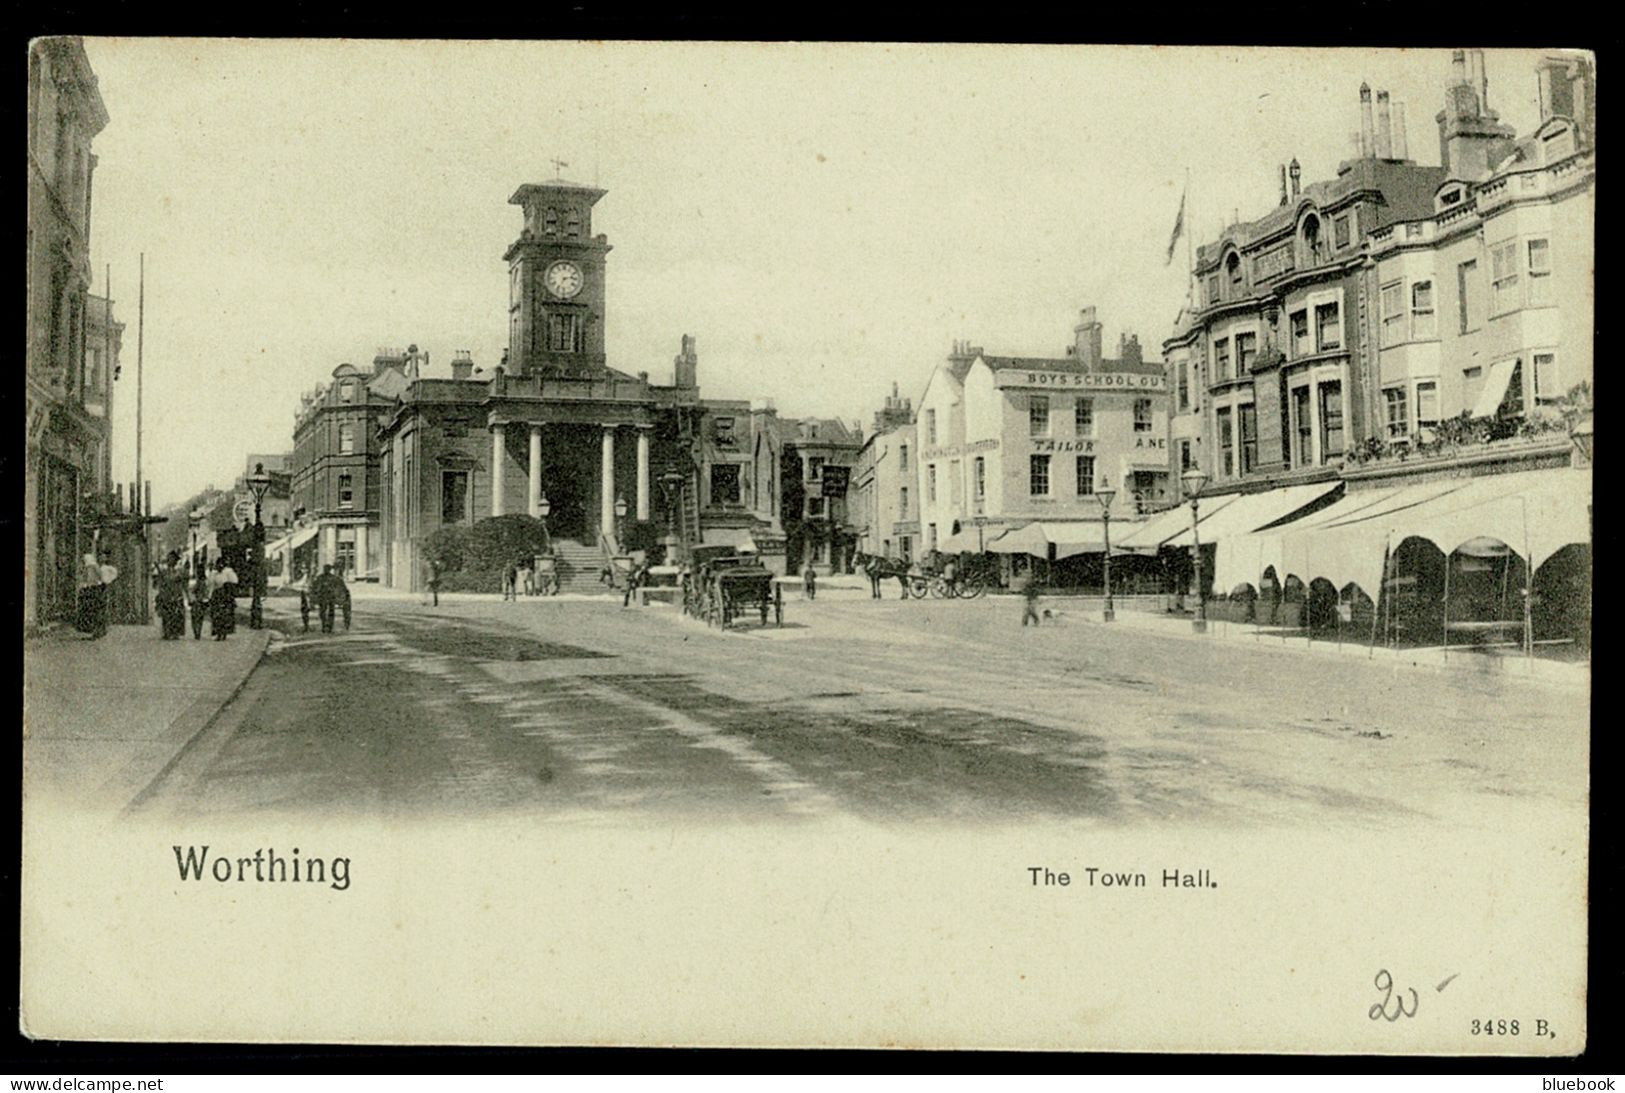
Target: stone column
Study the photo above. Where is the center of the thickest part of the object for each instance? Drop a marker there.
(498, 458)
(606, 480)
(330, 546)
(360, 549)
(535, 488)
(643, 473)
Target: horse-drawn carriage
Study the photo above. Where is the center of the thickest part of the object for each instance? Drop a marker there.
(723, 586)
(946, 576)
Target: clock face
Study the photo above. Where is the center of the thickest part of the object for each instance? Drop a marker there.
(563, 279)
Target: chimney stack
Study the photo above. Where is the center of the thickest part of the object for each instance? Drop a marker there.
(462, 365)
(1458, 66)
(1087, 338)
(1295, 172)
(1368, 145)
(1481, 82)
(1401, 148)
(1283, 184)
(1385, 127)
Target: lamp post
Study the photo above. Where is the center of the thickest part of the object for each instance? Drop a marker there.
(543, 507)
(1106, 495)
(259, 484)
(981, 522)
(672, 483)
(1193, 481)
(194, 520)
(620, 524)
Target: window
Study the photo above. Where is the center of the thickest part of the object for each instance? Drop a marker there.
(815, 507)
(1331, 421)
(956, 484)
(1184, 385)
(815, 468)
(1185, 461)
(1038, 415)
(902, 503)
(722, 432)
(453, 497)
(1504, 276)
(1340, 231)
(1083, 417)
(1227, 441)
(902, 457)
(931, 427)
(930, 537)
(1233, 268)
(1246, 351)
(1248, 416)
(1328, 327)
(1086, 476)
(931, 482)
(1038, 475)
(346, 491)
(346, 391)
(1221, 360)
(905, 547)
(1142, 415)
(1421, 309)
(1212, 289)
(551, 225)
(1300, 333)
(725, 485)
(1427, 404)
(1303, 454)
(1399, 421)
(346, 439)
(1313, 246)
(572, 224)
(980, 471)
(1540, 273)
(1470, 295)
(1548, 382)
(564, 333)
(1393, 313)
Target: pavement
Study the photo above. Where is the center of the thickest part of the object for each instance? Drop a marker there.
(102, 720)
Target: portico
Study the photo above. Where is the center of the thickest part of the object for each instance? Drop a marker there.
(610, 480)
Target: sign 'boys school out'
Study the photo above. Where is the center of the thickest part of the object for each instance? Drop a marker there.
(1088, 381)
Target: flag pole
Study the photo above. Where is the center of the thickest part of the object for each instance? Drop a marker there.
(140, 343)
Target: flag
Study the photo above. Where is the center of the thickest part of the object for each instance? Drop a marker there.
(1179, 229)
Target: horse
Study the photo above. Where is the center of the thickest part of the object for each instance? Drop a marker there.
(878, 569)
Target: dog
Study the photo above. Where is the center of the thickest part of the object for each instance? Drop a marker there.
(1052, 615)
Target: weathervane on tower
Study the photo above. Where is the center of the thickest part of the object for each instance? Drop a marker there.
(558, 168)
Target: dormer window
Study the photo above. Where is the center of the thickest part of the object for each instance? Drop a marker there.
(1232, 267)
(1450, 197)
(1314, 247)
(1558, 144)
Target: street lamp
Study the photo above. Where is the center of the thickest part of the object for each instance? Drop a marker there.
(259, 484)
(620, 523)
(543, 507)
(1193, 481)
(194, 520)
(981, 522)
(1106, 495)
(672, 483)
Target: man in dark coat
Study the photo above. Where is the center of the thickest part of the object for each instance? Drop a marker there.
(328, 590)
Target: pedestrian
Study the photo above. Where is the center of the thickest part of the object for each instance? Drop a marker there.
(344, 599)
(93, 582)
(809, 579)
(222, 600)
(171, 597)
(199, 599)
(434, 582)
(1029, 596)
(325, 591)
(304, 601)
(510, 582)
(633, 581)
(527, 576)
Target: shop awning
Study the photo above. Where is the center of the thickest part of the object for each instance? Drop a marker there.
(1068, 539)
(294, 541)
(1535, 513)
(1252, 511)
(965, 541)
(1028, 539)
(1165, 525)
(1495, 389)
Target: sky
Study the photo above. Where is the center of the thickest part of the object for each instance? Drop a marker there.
(826, 220)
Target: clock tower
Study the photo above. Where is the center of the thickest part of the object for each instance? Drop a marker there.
(556, 282)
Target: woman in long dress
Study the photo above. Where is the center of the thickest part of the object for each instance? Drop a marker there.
(222, 600)
(94, 577)
(171, 598)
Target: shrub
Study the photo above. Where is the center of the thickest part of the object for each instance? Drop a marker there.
(474, 559)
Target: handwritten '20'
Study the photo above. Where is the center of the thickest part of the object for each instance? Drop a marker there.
(1392, 1007)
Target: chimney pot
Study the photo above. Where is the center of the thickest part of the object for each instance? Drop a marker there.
(1368, 145)
(1385, 130)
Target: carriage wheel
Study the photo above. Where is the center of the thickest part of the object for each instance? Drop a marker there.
(941, 589)
(917, 587)
(970, 589)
